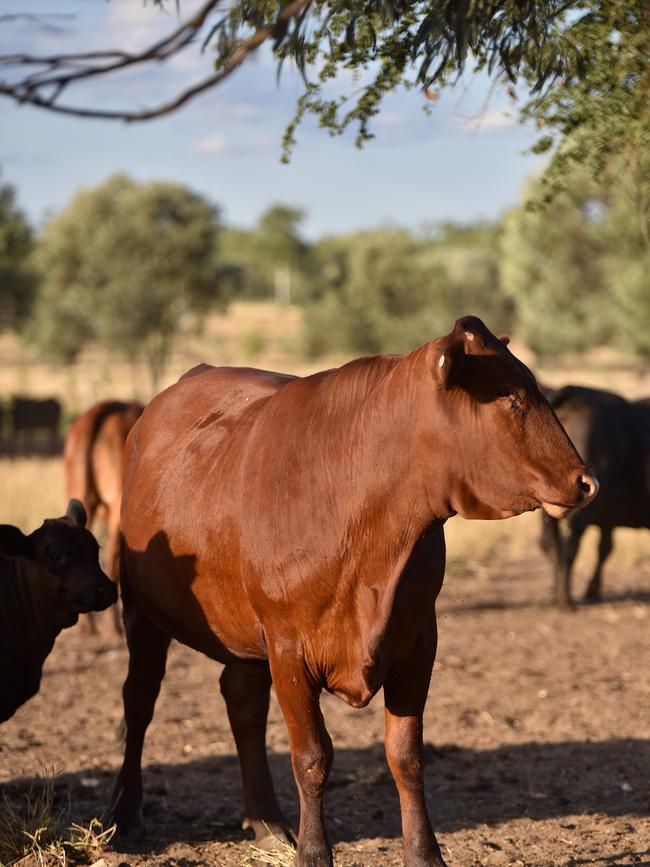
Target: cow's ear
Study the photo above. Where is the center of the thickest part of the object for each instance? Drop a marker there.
(14, 543)
(76, 513)
(448, 362)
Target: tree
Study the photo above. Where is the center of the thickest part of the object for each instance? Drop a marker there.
(17, 279)
(271, 260)
(126, 264)
(599, 110)
(387, 291)
(551, 45)
(577, 270)
(281, 247)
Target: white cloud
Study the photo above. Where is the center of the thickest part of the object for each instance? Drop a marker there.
(210, 145)
(138, 24)
(490, 120)
(390, 118)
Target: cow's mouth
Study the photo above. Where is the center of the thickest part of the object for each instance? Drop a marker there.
(557, 510)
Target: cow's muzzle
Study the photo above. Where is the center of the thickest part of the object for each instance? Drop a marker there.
(106, 595)
(585, 489)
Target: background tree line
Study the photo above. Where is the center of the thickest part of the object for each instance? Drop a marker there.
(129, 266)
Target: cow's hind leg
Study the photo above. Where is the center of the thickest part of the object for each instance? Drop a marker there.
(311, 753)
(246, 687)
(147, 658)
(604, 550)
(405, 694)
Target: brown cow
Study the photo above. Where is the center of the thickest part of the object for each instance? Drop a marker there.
(300, 521)
(46, 580)
(93, 467)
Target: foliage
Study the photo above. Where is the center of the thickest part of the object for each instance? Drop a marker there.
(389, 291)
(126, 264)
(577, 270)
(272, 259)
(632, 297)
(380, 44)
(599, 111)
(17, 280)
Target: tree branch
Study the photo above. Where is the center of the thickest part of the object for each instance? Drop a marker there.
(32, 90)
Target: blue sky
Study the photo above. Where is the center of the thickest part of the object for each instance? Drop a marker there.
(465, 160)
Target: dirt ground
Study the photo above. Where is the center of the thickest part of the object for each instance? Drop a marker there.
(537, 735)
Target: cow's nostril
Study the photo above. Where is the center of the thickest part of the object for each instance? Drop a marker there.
(588, 485)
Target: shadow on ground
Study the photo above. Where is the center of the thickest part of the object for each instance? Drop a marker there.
(201, 800)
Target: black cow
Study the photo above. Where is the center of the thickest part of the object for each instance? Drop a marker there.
(613, 437)
(30, 414)
(46, 580)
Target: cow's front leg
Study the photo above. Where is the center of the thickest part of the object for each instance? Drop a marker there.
(311, 752)
(405, 694)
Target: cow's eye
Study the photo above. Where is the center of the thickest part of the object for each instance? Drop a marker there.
(56, 560)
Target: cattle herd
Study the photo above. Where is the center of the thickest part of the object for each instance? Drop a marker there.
(292, 528)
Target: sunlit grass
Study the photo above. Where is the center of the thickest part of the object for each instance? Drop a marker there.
(32, 489)
(38, 830)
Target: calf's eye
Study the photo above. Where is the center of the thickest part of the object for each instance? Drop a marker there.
(55, 559)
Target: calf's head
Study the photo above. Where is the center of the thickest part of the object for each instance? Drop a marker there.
(63, 564)
(508, 453)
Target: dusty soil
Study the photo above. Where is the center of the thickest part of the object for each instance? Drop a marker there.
(537, 737)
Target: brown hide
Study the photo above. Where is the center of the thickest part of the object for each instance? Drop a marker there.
(93, 465)
(300, 520)
(46, 580)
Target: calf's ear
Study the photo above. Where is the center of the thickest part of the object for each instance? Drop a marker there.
(448, 362)
(13, 542)
(76, 513)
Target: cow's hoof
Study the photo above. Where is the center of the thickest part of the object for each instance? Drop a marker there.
(425, 862)
(314, 856)
(567, 605)
(271, 836)
(130, 825)
(591, 598)
(433, 859)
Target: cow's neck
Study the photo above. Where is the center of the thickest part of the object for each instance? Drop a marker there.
(381, 453)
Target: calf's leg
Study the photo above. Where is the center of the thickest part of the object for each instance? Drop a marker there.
(246, 687)
(147, 658)
(311, 754)
(405, 694)
(604, 550)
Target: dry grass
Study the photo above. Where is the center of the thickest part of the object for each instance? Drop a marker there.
(38, 830)
(32, 489)
(283, 856)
